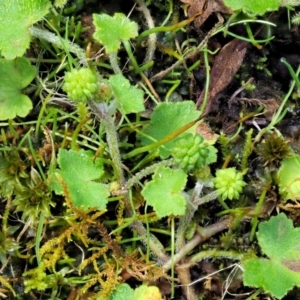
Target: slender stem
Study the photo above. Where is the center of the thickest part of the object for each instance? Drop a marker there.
(58, 41)
(207, 82)
(101, 111)
(201, 235)
(280, 111)
(172, 254)
(165, 28)
(291, 70)
(38, 238)
(152, 37)
(184, 275)
(160, 142)
(113, 58)
(145, 172)
(215, 253)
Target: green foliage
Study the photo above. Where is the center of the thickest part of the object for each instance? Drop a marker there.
(274, 149)
(280, 241)
(15, 75)
(129, 98)
(79, 173)
(35, 279)
(226, 146)
(254, 7)
(165, 119)
(31, 193)
(8, 246)
(15, 19)
(257, 7)
(60, 3)
(191, 152)
(33, 197)
(12, 169)
(106, 243)
(124, 292)
(110, 31)
(163, 192)
(144, 292)
(81, 84)
(289, 179)
(296, 19)
(6, 284)
(229, 183)
(248, 147)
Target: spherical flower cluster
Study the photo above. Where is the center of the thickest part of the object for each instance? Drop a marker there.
(229, 183)
(190, 152)
(80, 85)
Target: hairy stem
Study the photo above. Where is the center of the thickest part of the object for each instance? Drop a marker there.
(145, 172)
(152, 37)
(113, 58)
(185, 282)
(101, 111)
(60, 42)
(203, 233)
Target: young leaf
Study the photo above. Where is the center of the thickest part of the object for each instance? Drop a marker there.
(79, 172)
(110, 31)
(280, 241)
(289, 178)
(163, 192)
(167, 118)
(145, 292)
(129, 98)
(122, 292)
(253, 7)
(15, 19)
(14, 76)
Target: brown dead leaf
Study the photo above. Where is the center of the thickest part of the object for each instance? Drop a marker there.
(204, 130)
(205, 8)
(226, 64)
(270, 105)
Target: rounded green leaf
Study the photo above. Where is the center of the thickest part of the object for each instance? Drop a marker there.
(289, 178)
(253, 7)
(163, 192)
(167, 118)
(79, 173)
(280, 241)
(129, 98)
(15, 75)
(110, 31)
(15, 19)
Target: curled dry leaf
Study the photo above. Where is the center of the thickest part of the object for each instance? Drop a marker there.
(270, 105)
(226, 64)
(205, 8)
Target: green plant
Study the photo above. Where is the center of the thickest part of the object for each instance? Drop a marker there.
(190, 151)
(91, 194)
(115, 187)
(274, 149)
(80, 85)
(229, 183)
(288, 177)
(259, 7)
(124, 291)
(279, 240)
(15, 76)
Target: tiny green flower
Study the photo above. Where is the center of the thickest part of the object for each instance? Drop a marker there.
(80, 85)
(229, 183)
(190, 151)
